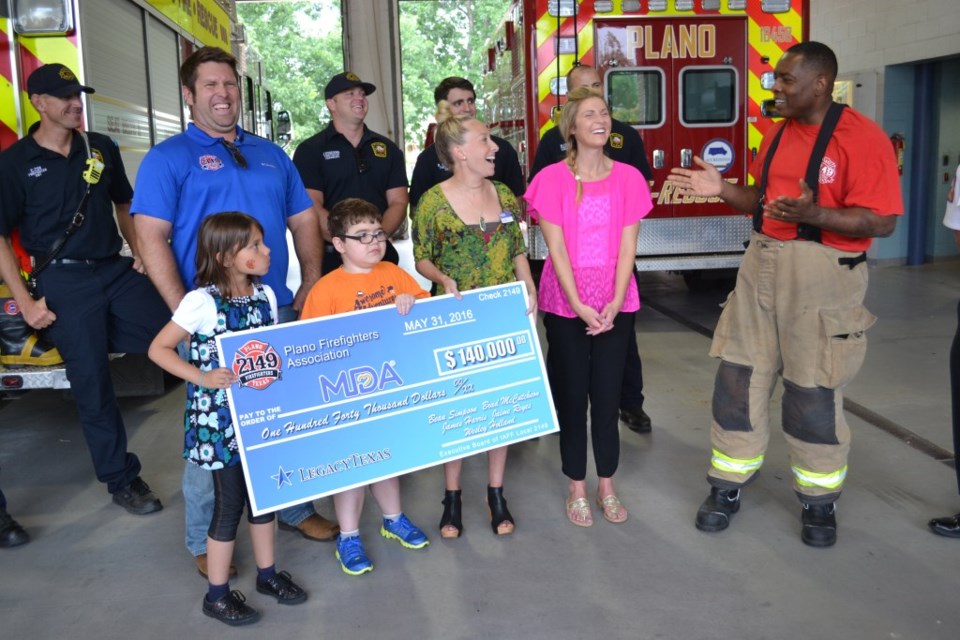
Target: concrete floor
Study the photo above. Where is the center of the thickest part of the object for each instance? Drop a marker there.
(91, 570)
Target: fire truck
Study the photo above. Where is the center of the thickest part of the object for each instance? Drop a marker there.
(130, 52)
(692, 76)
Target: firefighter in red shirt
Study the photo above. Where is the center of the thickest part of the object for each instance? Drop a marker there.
(797, 309)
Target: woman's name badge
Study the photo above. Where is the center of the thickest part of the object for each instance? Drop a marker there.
(506, 217)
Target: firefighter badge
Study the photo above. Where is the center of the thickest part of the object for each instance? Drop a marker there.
(616, 141)
(379, 149)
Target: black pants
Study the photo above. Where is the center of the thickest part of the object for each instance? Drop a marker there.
(955, 394)
(631, 395)
(101, 308)
(586, 369)
(229, 499)
(332, 259)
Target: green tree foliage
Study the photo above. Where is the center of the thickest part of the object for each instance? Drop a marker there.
(301, 47)
(439, 39)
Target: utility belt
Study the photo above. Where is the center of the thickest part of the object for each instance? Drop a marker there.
(843, 261)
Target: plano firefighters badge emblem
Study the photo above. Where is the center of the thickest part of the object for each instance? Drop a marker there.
(257, 364)
(379, 149)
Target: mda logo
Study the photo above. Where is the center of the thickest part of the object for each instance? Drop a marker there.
(358, 381)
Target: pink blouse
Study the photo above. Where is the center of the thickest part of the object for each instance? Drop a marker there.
(592, 230)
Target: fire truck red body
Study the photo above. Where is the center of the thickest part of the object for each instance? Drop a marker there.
(685, 73)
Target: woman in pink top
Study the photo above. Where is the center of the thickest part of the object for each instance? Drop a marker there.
(589, 209)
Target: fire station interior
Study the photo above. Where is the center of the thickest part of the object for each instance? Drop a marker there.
(91, 570)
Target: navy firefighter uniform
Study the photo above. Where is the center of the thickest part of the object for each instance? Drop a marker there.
(102, 304)
(328, 162)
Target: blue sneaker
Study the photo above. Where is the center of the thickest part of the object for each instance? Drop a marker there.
(352, 556)
(404, 532)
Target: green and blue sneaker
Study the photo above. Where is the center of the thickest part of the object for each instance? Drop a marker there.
(404, 532)
(352, 556)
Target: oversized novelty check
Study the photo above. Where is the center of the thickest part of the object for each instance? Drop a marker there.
(333, 403)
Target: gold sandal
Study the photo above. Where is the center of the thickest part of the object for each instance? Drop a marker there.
(613, 510)
(578, 512)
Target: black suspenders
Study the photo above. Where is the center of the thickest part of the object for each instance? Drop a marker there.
(812, 177)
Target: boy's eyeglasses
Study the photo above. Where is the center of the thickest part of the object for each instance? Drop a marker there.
(234, 153)
(367, 238)
(362, 166)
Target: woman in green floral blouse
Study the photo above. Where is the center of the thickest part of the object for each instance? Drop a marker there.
(466, 234)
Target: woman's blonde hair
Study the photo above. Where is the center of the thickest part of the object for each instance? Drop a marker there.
(451, 129)
(568, 116)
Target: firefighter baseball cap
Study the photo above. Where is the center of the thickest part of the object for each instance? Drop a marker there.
(56, 80)
(344, 82)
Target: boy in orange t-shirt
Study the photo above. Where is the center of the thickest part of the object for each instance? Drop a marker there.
(362, 282)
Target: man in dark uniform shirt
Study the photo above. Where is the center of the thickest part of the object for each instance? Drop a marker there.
(429, 171)
(91, 301)
(626, 146)
(348, 160)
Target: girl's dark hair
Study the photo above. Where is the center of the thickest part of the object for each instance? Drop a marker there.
(220, 237)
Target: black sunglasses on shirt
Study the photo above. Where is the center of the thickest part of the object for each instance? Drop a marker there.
(234, 153)
(362, 166)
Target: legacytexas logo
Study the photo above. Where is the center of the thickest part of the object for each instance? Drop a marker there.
(257, 364)
(358, 381)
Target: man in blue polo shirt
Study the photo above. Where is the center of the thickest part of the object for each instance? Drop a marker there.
(215, 166)
(91, 301)
(348, 160)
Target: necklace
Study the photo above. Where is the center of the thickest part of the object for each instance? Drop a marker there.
(471, 201)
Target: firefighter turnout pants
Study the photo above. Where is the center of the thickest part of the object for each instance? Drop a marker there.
(797, 311)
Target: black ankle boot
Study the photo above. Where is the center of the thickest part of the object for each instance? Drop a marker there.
(500, 519)
(451, 514)
(819, 525)
(11, 533)
(715, 512)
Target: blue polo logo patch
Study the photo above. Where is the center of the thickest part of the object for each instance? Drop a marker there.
(211, 163)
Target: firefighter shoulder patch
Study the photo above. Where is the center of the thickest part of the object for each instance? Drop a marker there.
(379, 149)
(616, 141)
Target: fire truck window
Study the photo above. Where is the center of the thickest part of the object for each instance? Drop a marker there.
(708, 96)
(636, 96)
